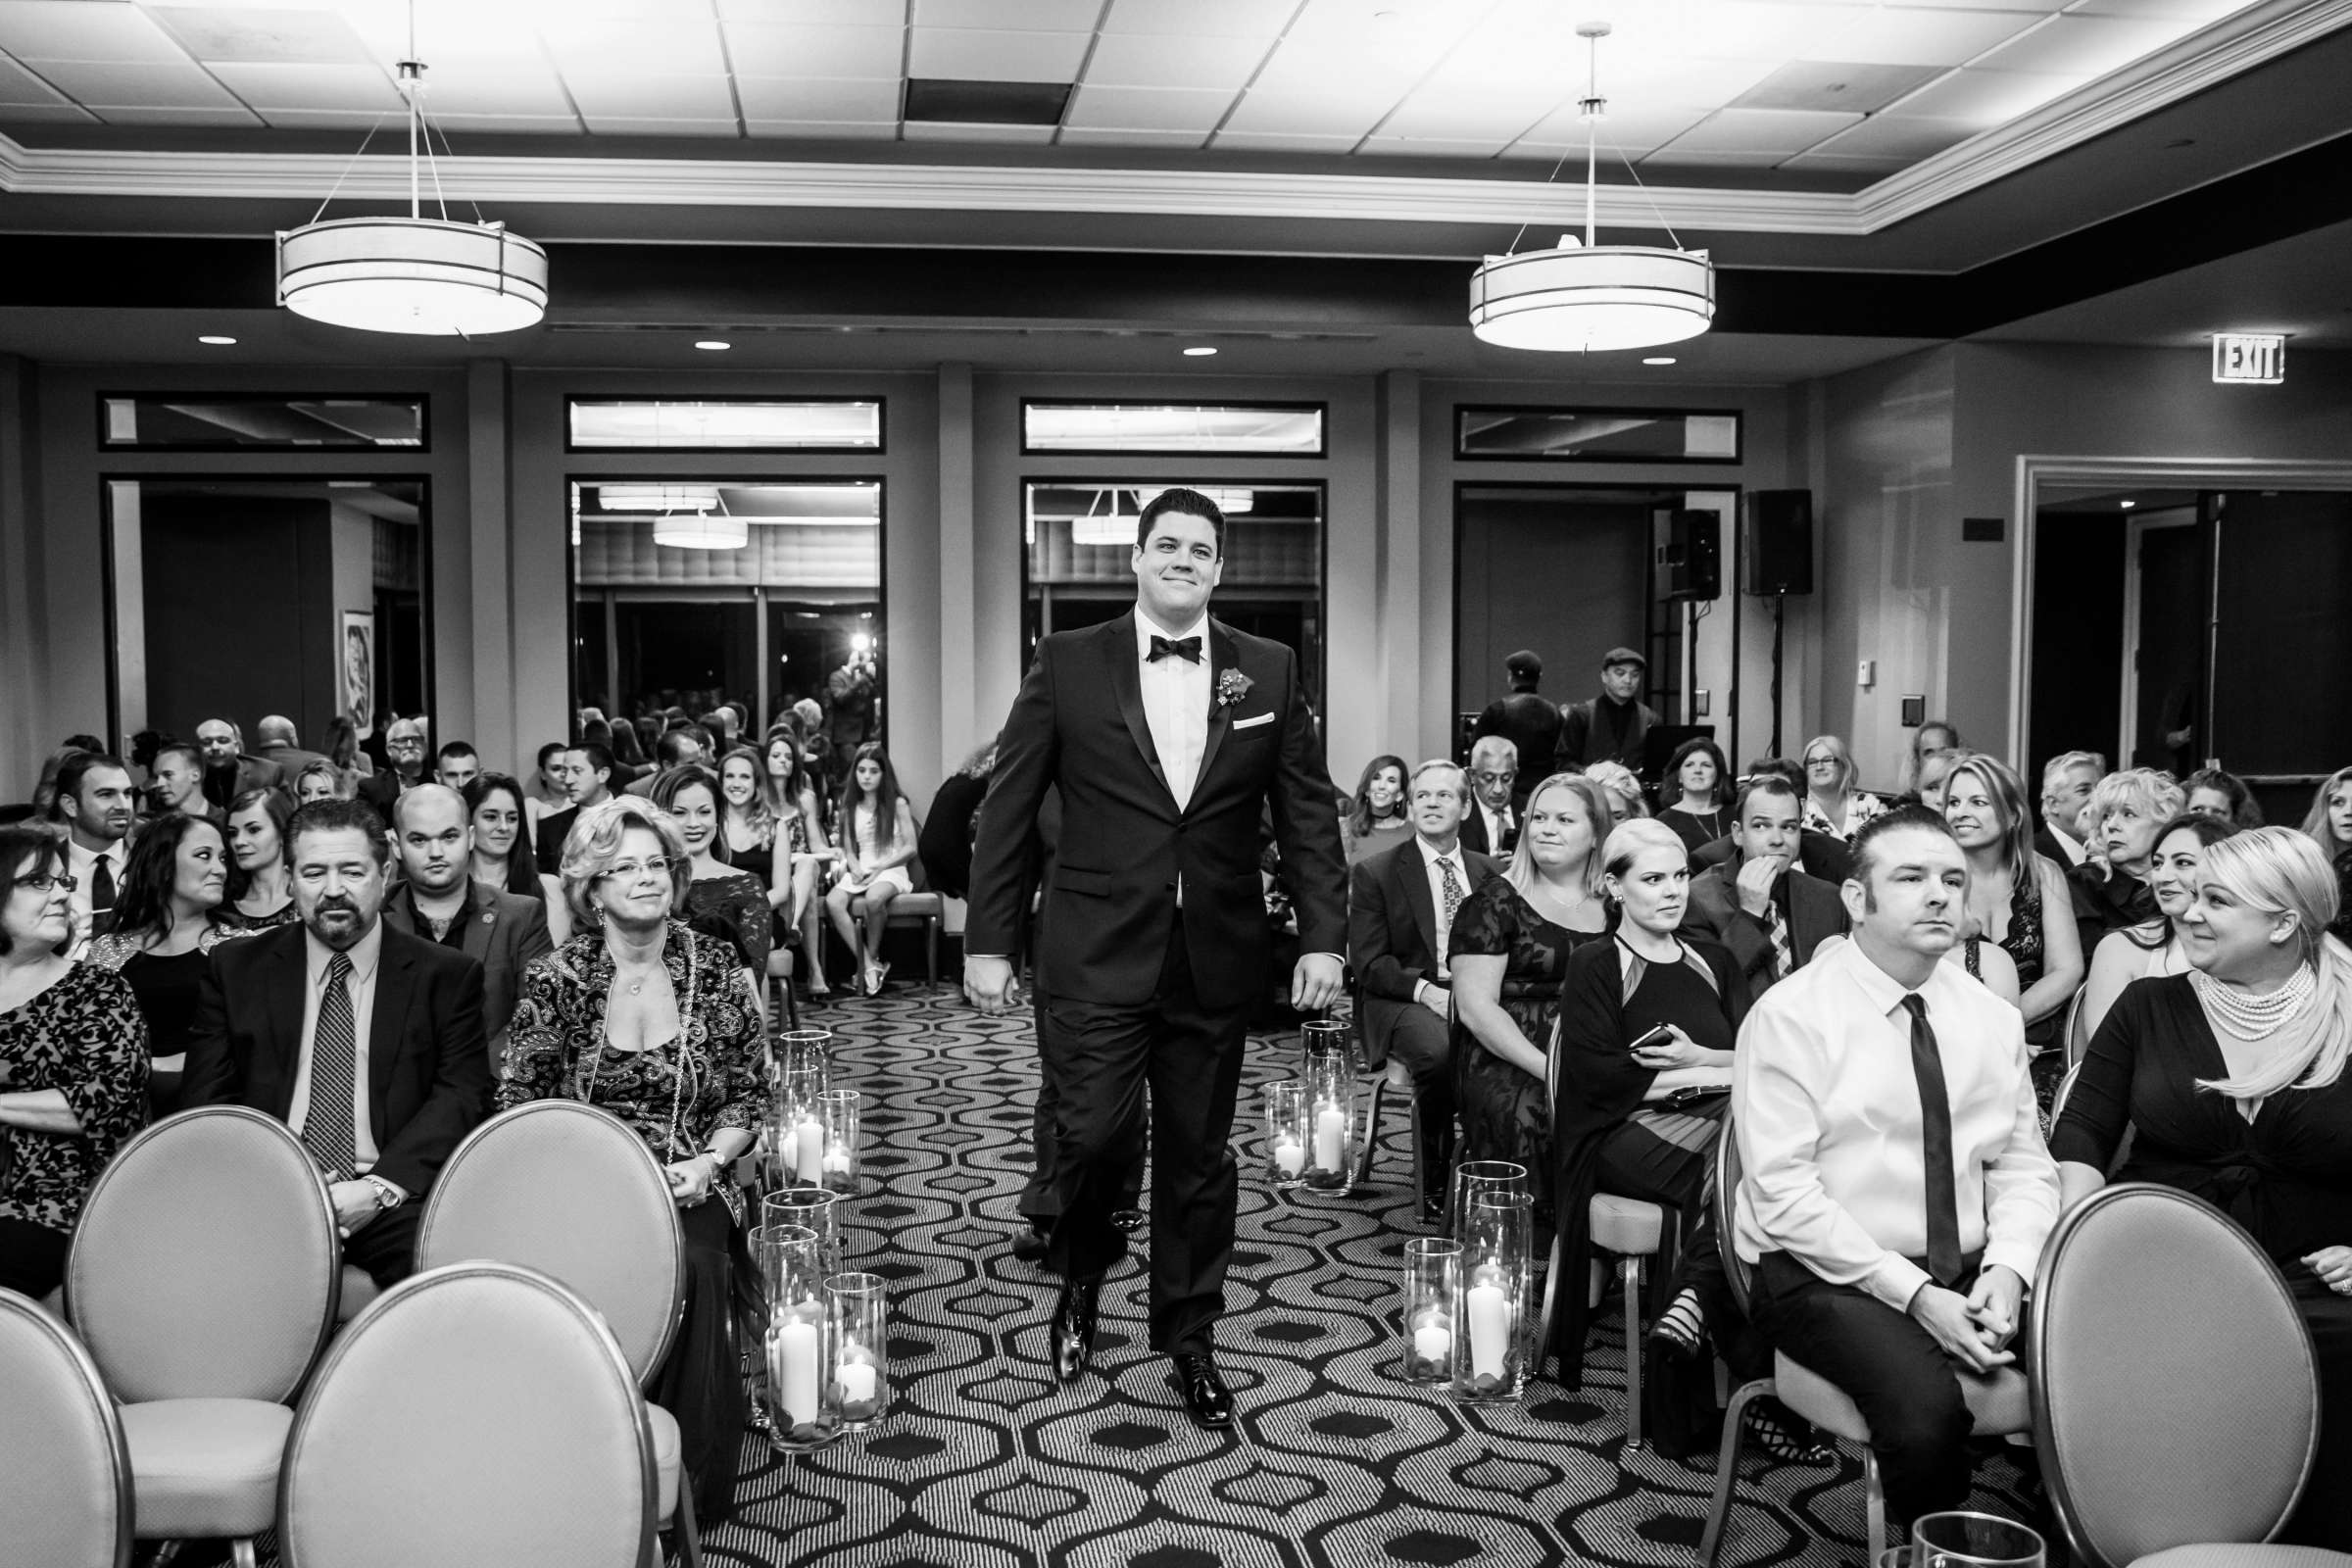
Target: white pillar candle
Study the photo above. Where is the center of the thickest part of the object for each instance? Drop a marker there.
(856, 1381)
(1289, 1157)
(809, 1150)
(1489, 1330)
(1433, 1341)
(796, 1374)
(837, 1158)
(1331, 1137)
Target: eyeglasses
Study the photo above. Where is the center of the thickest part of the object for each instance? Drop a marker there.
(1821, 761)
(631, 871)
(1494, 778)
(46, 880)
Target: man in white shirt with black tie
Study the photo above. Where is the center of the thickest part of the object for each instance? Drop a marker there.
(95, 801)
(1895, 1191)
(1491, 826)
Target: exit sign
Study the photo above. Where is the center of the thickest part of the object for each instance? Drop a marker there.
(2256, 359)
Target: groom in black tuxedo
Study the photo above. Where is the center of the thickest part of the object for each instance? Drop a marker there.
(1168, 735)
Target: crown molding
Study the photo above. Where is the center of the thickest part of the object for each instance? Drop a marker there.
(2194, 64)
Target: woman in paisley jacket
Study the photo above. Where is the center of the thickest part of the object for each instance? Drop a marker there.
(642, 1016)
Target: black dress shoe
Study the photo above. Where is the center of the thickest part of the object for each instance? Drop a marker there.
(1206, 1398)
(1129, 1220)
(1029, 1245)
(1074, 1331)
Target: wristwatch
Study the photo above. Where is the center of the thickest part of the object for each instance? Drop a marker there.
(387, 1195)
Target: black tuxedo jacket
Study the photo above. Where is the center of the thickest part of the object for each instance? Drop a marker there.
(1474, 829)
(1392, 934)
(502, 932)
(429, 1060)
(1815, 911)
(1110, 892)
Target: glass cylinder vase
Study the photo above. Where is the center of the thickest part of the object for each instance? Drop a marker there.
(1330, 1107)
(857, 1323)
(1287, 1132)
(1492, 1298)
(1474, 1176)
(796, 1367)
(813, 1209)
(798, 1143)
(1431, 1281)
(837, 1110)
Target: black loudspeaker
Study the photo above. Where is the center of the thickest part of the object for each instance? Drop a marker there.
(1776, 542)
(1693, 556)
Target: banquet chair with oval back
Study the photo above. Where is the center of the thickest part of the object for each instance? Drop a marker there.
(478, 1412)
(203, 1279)
(1998, 1405)
(568, 1190)
(65, 1467)
(2158, 1323)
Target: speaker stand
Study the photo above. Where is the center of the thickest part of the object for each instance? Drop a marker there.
(1777, 602)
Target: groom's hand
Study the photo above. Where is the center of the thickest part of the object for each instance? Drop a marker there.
(1315, 983)
(988, 983)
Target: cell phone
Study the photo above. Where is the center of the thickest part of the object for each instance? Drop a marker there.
(1653, 1037)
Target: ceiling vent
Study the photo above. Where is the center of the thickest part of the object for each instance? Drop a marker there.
(931, 100)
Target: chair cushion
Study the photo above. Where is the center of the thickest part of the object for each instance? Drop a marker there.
(205, 1467)
(1998, 1404)
(667, 1461)
(2231, 1555)
(1626, 1226)
(356, 1291)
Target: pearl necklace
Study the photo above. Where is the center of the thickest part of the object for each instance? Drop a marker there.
(2251, 1017)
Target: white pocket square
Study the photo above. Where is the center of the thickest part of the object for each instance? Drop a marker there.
(1252, 723)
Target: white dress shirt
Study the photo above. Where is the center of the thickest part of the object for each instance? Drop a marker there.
(84, 865)
(366, 956)
(1497, 824)
(1175, 703)
(1827, 1115)
(1431, 859)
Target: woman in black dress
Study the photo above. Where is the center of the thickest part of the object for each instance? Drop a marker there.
(2016, 900)
(1509, 947)
(2231, 1079)
(167, 921)
(261, 891)
(718, 898)
(1697, 796)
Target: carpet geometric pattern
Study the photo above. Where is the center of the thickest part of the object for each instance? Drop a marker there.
(983, 1462)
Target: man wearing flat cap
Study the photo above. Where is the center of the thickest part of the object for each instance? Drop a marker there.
(1610, 727)
(1523, 718)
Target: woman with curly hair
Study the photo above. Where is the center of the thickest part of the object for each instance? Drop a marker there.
(1378, 816)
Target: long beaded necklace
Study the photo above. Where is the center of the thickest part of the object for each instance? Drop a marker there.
(2250, 1017)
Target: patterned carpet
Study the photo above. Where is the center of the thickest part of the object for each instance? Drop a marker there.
(981, 1461)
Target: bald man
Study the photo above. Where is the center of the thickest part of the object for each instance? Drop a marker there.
(276, 740)
(227, 771)
(439, 900)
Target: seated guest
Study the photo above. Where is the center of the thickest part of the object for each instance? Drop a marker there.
(2210, 792)
(286, 1017)
(543, 791)
(320, 781)
(1697, 793)
(644, 1017)
(73, 1063)
(2110, 890)
(341, 743)
(677, 748)
(874, 829)
(1507, 950)
(2066, 784)
(260, 895)
(1402, 904)
(1895, 1192)
(1757, 905)
(1622, 790)
(403, 751)
(2018, 901)
(1376, 818)
(1932, 772)
(1834, 805)
(1933, 739)
(1491, 826)
(2231, 1079)
(1611, 727)
(588, 775)
(166, 923)
(44, 789)
(227, 771)
(439, 900)
(98, 808)
(175, 783)
(946, 845)
(718, 897)
(503, 856)
(1819, 855)
(455, 765)
(2153, 949)
(631, 760)
(277, 743)
(2329, 825)
(1647, 1023)
(790, 793)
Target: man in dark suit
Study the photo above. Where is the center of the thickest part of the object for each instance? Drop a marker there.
(1167, 734)
(276, 742)
(1768, 914)
(1819, 855)
(1491, 824)
(439, 900)
(1402, 905)
(587, 771)
(404, 769)
(227, 771)
(1525, 719)
(367, 1042)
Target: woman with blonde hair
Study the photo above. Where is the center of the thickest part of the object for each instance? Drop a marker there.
(2232, 1078)
(2329, 825)
(2110, 888)
(2017, 897)
(1620, 789)
(1833, 804)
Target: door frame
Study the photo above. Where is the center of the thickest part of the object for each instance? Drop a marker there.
(2135, 531)
(2033, 470)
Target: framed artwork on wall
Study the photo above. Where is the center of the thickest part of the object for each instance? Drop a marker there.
(357, 677)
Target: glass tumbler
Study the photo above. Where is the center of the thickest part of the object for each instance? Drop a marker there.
(837, 1111)
(857, 1324)
(796, 1365)
(1287, 1132)
(1432, 1282)
(1961, 1539)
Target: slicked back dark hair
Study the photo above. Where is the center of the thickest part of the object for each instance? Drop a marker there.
(78, 768)
(1773, 784)
(332, 815)
(1902, 818)
(1192, 502)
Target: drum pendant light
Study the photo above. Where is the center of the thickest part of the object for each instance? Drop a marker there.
(1583, 295)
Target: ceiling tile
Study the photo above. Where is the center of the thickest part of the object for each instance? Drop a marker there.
(829, 99)
(1831, 163)
(1091, 136)
(758, 49)
(610, 47)
(259, 36)
(73, 29)
(1282, 142)
(1697, 159)
(1156, 109)
(2086, 46)
(966, 53)
(1777, 131)
(52, 114)
(1847, 86)
(1336, 111)
(1037, 16)
(1987, 98)
(20, 86)
(506, 124)
(1634, 130)
(817, 13)
(1904, 136)
(350, 89)
(354, 119)
(1501, 118)
(185, 85)
(821, 130)
(129, 116)
(2199, 12)
(1919, 36)
(921, 130)
(714, 129)
(1722, 30)
(535, 92)
(648, 97)
(1431, 147)
(1135, 60)
(1236, 19)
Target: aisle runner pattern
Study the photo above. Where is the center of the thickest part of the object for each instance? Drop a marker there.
(983, 1463)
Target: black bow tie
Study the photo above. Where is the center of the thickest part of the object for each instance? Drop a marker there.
(1187, 648)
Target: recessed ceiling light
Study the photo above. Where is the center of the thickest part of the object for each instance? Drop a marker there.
(2129, 505)
(1659, 358)
(713, 344)
(217, 340)
(1198, 351)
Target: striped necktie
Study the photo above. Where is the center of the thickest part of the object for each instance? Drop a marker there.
(334, 1072)
(1784, 957)
(1454, 894)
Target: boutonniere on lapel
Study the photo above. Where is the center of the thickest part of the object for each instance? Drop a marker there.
(1232, 687)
